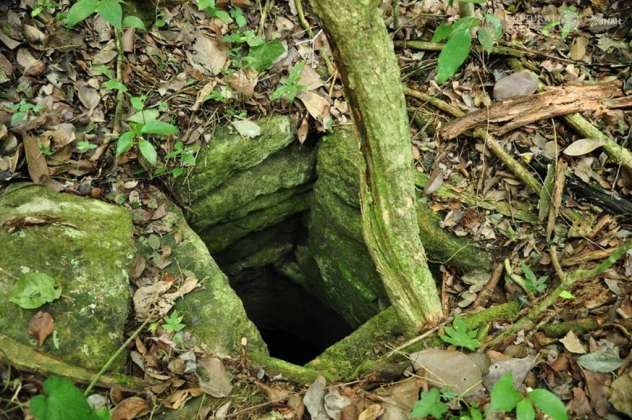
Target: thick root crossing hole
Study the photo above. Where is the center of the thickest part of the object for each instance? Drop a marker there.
(296, 326)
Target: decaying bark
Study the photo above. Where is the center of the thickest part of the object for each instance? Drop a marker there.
(368, 66)
(553, 102)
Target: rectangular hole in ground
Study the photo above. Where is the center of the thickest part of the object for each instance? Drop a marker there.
(296, 326)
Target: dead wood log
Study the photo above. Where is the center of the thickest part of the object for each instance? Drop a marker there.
(553, 102)
(359, 39)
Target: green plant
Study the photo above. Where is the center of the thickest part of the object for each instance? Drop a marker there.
(33, 290)
(22, 110)
(290, 88)
(569, 22)
(247, 37)
(460, 335)
(535, 284)
(459, 41)
(183, 156)
(173, 323)
(213, 11)
(62, 400)
(110, 10)
(144, 123)
(505, 398)
(43, 5)
(85, 146)
(429, 404)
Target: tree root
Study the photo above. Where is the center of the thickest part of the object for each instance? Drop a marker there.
(567, 282)
(24, 357)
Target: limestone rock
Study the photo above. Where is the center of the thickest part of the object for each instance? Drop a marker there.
(86, 246)
(213, 313)
(521, 83)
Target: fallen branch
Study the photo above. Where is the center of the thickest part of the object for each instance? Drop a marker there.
(550, 299)
(615, 151)
(553, 102)
(514, 166)
(436, 46)
(26, 358)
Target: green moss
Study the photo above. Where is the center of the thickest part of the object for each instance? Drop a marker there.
(86, 246)
(253, 189)
(274, 366)
(218, 237)
(229, 153)
(341, 360)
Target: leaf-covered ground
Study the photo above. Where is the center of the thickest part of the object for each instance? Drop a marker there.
(196, 68)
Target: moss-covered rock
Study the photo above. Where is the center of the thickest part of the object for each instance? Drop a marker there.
(277, 178)
(219, 237)
(229, 153)
(351, 283)
(213, 313)
(86, 246)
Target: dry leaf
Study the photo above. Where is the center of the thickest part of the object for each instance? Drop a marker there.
(36, 162)
(317, 106)
(302, 131)
(578, 49)
(583, 146)
(89, 97)
(372, 412)
(130, 408)
(213, 378)
(310, 78)
(243, 82)
(180, 397)
(274, 394)
(209, 55)
(202, 94)
(572, 343)
(31, 65)
(41, 326)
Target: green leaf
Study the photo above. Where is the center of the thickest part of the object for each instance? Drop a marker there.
(475, 414)
(490, 33)
(18, 118)
(459, 335)
(600, 361)
(222, 15)
(429, 405)
(115, 85)
(262, 57)
(239, 17)
(112, 12)
(524, 410)
(465, 23)
(546, 29)
(453, 55)
(565, 294)
(159, 128)
(124, 143)
(62, 401)
(143, 117)
(33, 290)
(504, 396)
(173, 323)
(442, 32)
(80, 11)
(133, 22)
(570, 20)
(138, 102)
(148, 151)
(549, 403)
(84, 146)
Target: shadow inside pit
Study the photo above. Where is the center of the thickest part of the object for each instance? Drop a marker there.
(296, 326)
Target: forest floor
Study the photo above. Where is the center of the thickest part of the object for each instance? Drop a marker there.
(562, 203)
